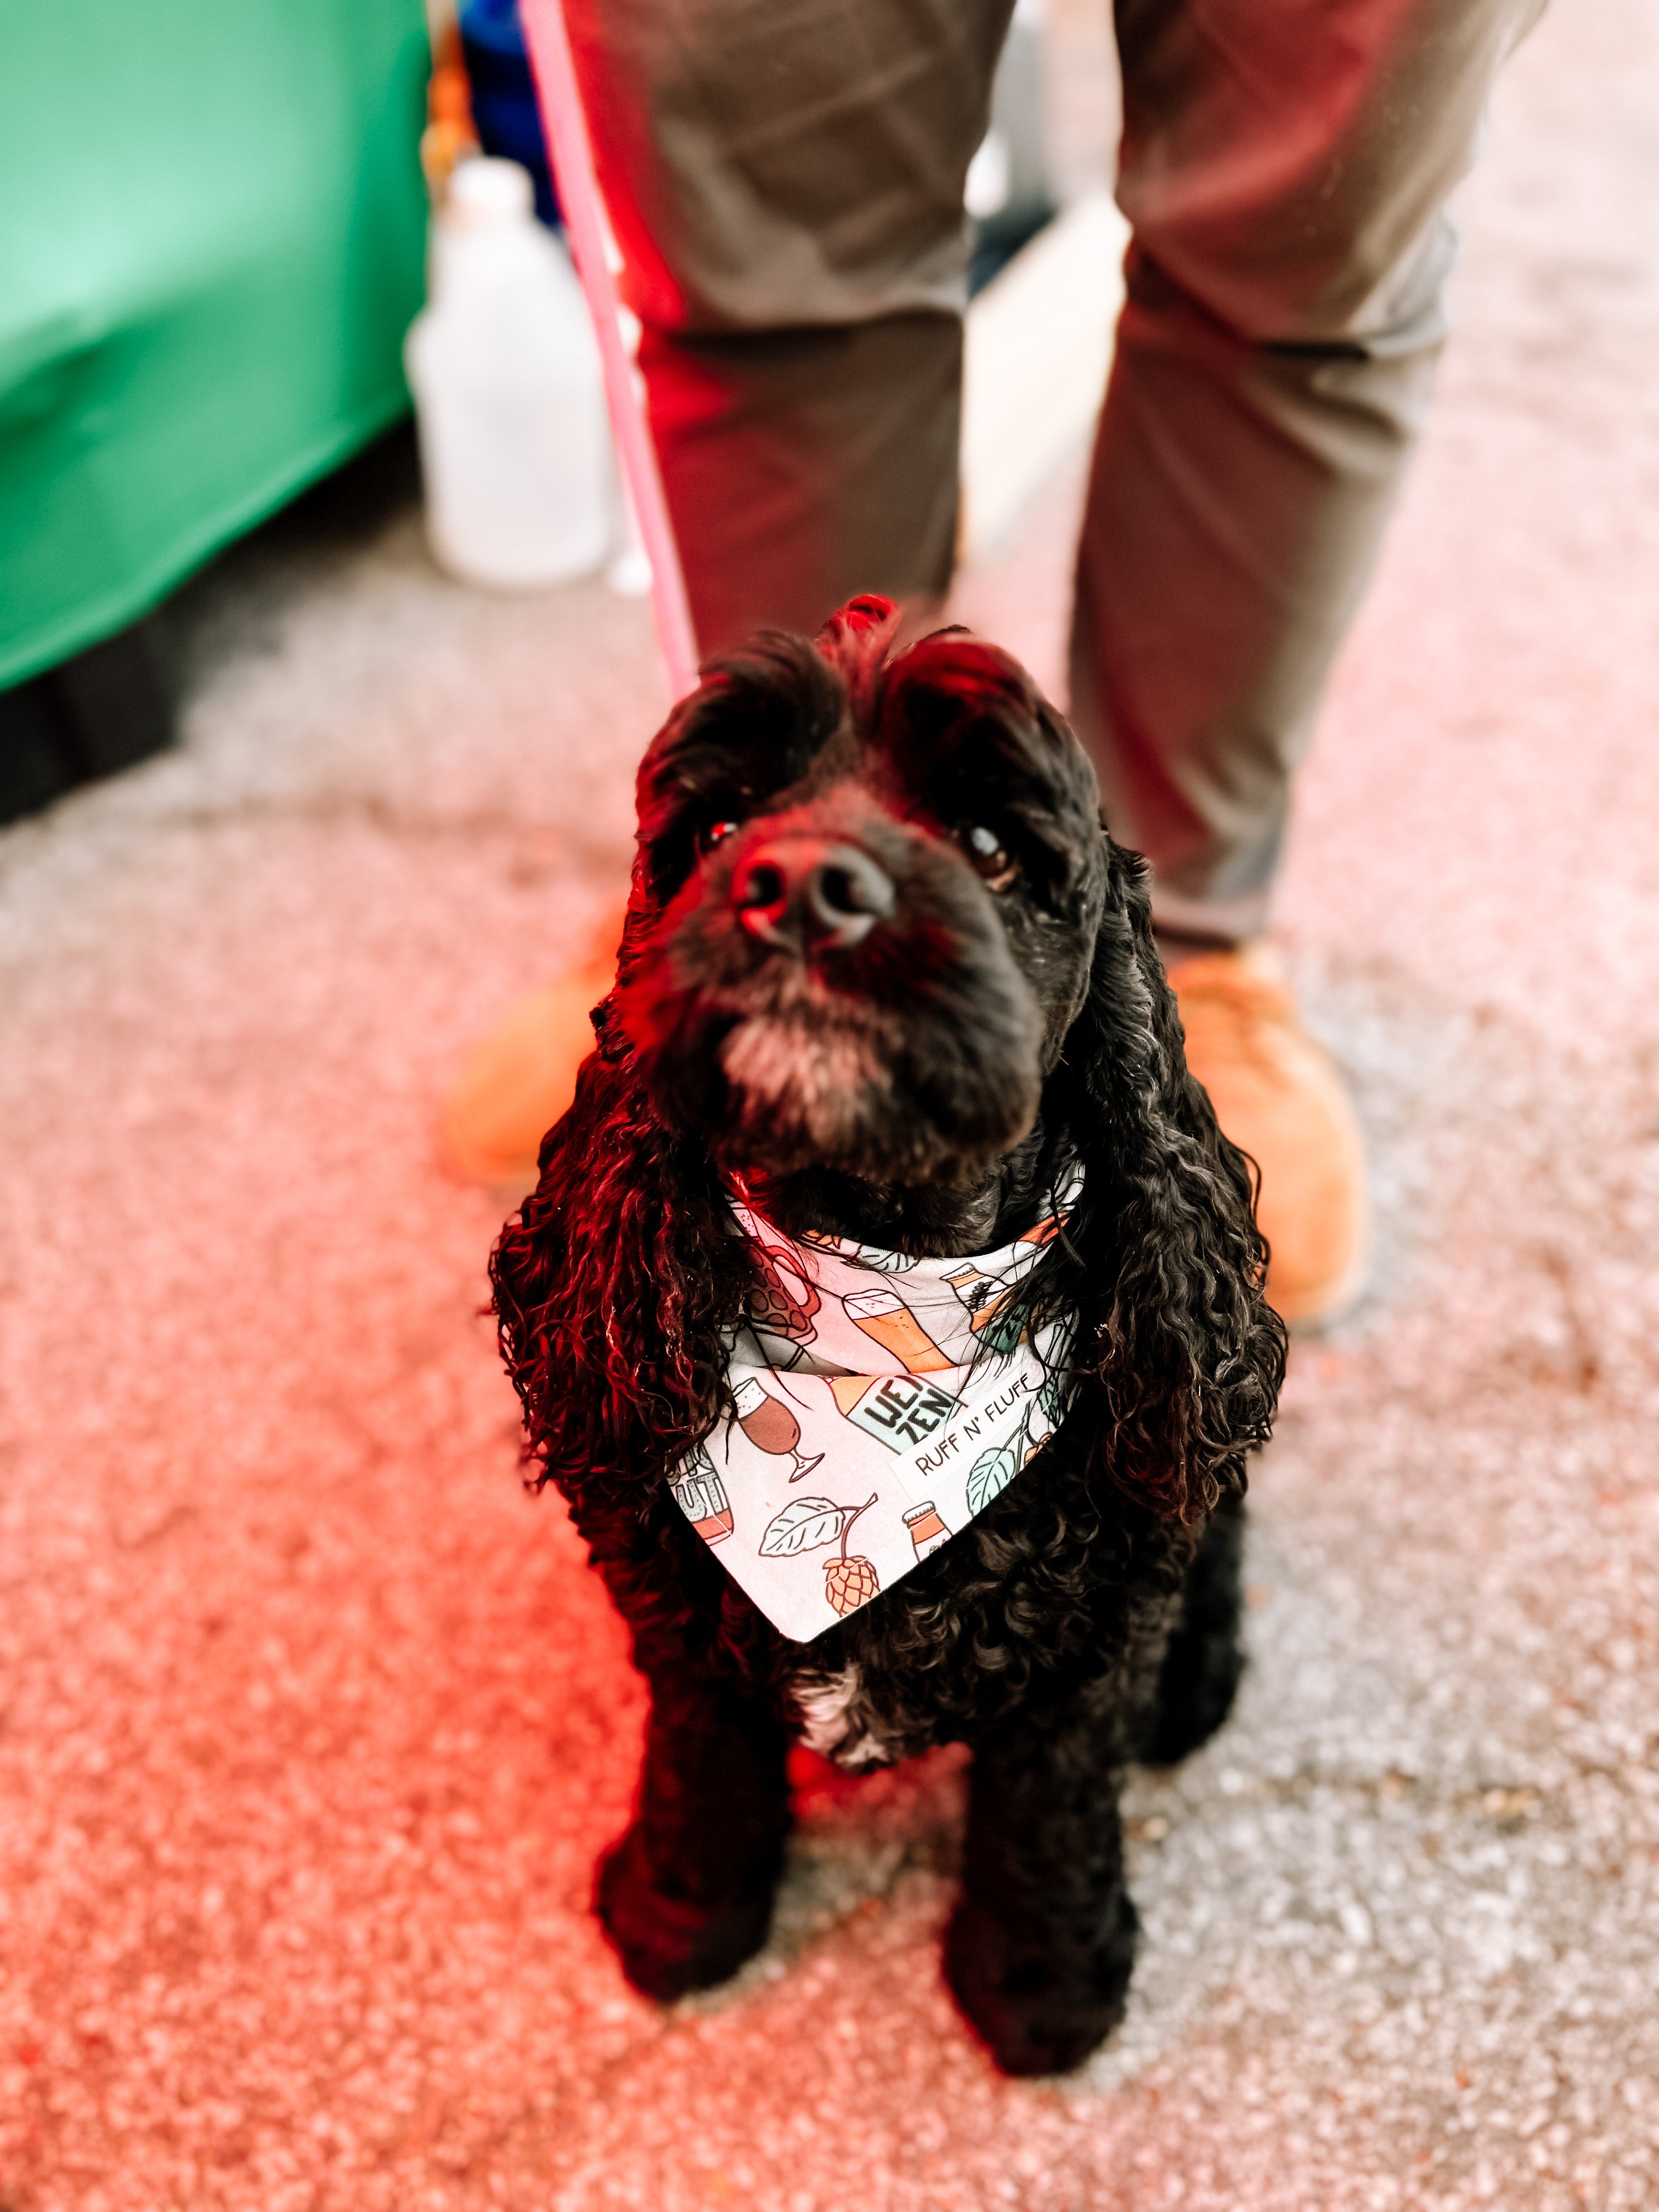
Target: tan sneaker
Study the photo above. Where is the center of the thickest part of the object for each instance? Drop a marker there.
(514, 1085)
(1280, 1099)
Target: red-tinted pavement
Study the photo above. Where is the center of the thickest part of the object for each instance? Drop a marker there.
(311, 1725)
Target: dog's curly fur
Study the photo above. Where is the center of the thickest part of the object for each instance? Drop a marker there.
(926, 1088)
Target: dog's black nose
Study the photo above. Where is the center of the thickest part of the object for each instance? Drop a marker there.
(810, 896)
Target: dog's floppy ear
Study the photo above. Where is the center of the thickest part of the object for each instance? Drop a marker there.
(617, 1280)
(1177, 1345)
(614, 1286)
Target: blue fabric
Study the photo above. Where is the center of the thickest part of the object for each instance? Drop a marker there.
(505, 112)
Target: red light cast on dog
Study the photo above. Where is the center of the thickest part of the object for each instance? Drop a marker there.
(888, 1000)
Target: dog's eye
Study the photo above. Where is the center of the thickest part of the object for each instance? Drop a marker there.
(714, 833)
(991, 857)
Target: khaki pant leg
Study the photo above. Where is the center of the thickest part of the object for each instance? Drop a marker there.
(1284, 167)
(786, 179)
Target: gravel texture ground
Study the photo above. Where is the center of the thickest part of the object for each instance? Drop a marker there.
(311, 1724)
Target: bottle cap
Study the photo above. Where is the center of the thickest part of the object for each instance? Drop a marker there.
(484, 193)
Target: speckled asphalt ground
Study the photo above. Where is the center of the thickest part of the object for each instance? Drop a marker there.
(311, 1724)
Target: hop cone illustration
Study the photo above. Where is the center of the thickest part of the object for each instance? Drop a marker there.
(849, 1583)
(807, 1522)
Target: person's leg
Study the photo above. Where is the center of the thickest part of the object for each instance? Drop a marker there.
(785, 183)
(1284, 170)
(802, 467)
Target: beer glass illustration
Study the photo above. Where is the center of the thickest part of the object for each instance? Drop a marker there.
(884, 1315)
(700, 1496)
(770, 1426)
(786, 1298)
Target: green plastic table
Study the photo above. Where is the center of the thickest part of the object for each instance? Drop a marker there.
(212, 226)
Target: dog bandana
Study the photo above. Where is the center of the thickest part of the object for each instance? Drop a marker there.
(881, 1404)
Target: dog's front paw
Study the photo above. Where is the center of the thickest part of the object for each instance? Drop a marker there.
(669, 1945)
(1037, 2007)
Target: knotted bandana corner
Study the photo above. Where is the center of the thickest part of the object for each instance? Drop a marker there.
(881, 1402)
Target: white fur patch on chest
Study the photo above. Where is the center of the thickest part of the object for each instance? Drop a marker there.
(823, 1702)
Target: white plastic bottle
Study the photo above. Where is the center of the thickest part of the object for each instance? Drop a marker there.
(509, 398)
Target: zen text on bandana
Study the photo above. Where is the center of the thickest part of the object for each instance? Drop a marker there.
(882, 1403)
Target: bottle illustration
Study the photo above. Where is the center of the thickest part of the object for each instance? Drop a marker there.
(770, 1426)
(985, 1296)
(700, 1494)
(883, 1315)
(809, 1523)
(927, 1531)
(846, 1390)
(898, 1408)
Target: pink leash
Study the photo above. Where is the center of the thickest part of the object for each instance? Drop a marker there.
(566, 126)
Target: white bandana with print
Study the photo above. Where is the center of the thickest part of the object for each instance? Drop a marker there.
(880, 1406)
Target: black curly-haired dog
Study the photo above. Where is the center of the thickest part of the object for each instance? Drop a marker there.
(882, 960)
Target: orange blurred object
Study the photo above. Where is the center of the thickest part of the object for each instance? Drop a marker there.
(517, 1083)
(1277, 1095)
(449, 137)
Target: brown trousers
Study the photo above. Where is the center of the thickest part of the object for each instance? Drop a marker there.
(786, 177)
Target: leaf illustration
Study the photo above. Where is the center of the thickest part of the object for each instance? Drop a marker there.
(990, 1473)
(804, 1524)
